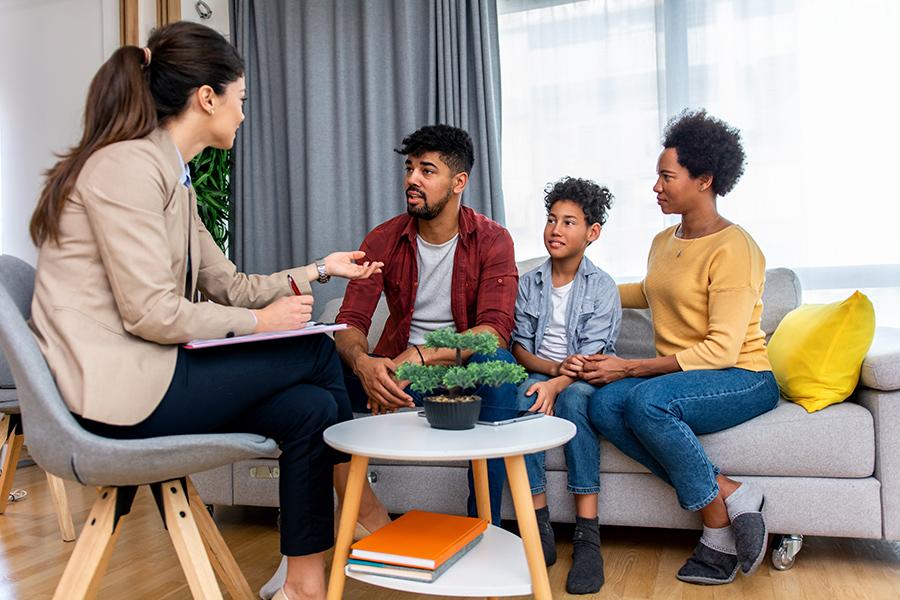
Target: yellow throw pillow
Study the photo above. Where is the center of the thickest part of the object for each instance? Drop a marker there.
(817, 350)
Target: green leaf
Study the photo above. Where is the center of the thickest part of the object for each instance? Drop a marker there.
(211, 180)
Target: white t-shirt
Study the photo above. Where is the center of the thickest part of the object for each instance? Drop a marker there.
(554, 346)
(432, 308)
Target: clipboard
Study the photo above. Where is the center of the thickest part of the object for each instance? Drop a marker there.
(310, 329)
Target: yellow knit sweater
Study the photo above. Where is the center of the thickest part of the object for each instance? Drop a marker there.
(705, 297)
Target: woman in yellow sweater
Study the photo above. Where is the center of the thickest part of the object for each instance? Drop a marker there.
(704, 287)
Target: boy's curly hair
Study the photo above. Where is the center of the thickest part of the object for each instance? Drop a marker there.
(452, 143)
(707, 146)
(595, 200)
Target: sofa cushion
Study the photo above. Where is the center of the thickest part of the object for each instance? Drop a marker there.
(881, 368)
(781, 295)
(818, 349)
(787, 441)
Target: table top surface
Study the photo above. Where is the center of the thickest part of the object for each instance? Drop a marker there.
(406, 436)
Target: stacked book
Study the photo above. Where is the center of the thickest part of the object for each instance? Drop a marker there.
(418, 546)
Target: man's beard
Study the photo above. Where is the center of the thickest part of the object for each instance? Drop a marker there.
(428, 212)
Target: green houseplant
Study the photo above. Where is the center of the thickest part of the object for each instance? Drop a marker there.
(454, 407)
(211, 179)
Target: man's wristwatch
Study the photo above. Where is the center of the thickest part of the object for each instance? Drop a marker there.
(320, 268)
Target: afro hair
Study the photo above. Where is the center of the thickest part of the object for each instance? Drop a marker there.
(707, 146)
(595, 200)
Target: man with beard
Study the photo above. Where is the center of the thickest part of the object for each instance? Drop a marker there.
(445, 265)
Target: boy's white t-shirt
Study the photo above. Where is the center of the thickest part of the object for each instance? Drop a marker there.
(554, 346)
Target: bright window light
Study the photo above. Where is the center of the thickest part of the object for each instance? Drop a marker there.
(588, 86)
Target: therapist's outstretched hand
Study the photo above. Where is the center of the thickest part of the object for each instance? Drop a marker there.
(346, 265)
(288, 312)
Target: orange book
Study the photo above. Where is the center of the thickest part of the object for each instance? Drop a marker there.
(419, 539)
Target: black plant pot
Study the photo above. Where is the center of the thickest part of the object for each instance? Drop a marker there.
(454, 414)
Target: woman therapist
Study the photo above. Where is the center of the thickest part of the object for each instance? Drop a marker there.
(122, 252)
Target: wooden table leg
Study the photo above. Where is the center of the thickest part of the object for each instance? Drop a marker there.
(482, 492)
(349, 514)
(521, 495)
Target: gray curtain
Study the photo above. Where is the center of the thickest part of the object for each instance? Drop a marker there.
(332, 87)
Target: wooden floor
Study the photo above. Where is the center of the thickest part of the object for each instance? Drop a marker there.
(640, 563)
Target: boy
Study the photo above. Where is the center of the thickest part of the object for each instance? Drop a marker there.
(566, 309)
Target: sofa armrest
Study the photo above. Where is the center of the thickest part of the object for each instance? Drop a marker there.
(885, 409)
(881, 367)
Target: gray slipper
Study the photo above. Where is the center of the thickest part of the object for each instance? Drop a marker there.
(708, 566)
(750, 536)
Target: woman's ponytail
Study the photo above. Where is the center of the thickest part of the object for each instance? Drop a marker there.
(135, 91)
(119, 107)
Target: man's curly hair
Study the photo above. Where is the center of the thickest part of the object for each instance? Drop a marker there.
(595, 200)
(707, 146)
(452, 143)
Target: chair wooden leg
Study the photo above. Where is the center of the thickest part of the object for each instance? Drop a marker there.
(219, 555)
(13, 446)
(61, 504)
(81, 579)
(188, 543)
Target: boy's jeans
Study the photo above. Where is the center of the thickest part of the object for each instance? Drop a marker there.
(656, 421)
(582, 451)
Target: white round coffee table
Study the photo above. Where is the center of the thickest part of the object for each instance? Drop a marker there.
(501, 564)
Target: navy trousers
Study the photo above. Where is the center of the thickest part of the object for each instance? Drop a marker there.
(290, 390)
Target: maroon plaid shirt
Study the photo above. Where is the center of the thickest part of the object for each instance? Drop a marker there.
(483, 290)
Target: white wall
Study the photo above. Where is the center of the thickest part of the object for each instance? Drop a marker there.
(49, 51)
(219, 19)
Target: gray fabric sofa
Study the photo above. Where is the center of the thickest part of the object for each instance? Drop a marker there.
(835, 472)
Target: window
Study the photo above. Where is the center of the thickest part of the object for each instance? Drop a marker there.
(588, 87)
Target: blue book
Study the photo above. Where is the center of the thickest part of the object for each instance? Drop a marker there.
(355, 565)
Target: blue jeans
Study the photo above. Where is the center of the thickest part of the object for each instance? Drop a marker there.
(503, 396)
(656, 421)
(582, 451)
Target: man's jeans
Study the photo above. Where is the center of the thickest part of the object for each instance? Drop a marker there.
(503, 397)
(582, 451)
(656, 421)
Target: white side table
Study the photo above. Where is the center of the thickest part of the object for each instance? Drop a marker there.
(496, 566)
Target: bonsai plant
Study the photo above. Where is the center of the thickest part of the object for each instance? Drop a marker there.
(211, 179)
(454, 407)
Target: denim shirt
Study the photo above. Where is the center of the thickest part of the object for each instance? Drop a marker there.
(593, 316)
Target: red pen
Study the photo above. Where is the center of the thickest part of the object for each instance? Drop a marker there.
(294, 287)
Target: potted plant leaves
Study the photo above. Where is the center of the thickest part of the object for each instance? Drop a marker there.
(449, 401)
(211, 180)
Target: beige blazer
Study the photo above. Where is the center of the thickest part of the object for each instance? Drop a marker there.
(109, 306)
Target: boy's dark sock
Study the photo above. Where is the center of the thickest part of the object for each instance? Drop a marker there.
(586, 575)
(548, 540)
